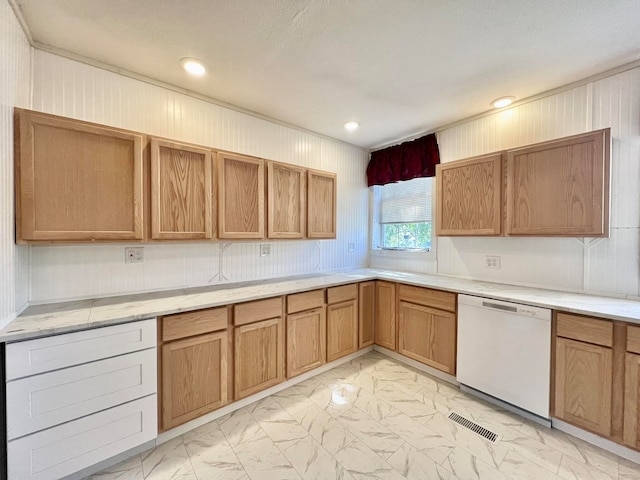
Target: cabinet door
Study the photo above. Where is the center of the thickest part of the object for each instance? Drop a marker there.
(631, 430)
(321, 213)
(366, 313)
(240, 196)
(428, 336)
(560, 188)
(259, 356)
(306, 341)
(583, 385)
(181, 191)
(469, 196)
(342, 329)
(286, 201)
(76, 181)
(194, 377)
(385, 322)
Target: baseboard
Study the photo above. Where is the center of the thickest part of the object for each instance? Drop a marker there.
(420, 366)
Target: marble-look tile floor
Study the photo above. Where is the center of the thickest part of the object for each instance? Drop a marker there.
(371, 418)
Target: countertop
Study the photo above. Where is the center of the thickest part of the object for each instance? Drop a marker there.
(42, 320)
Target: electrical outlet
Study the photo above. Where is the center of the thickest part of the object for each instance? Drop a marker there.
(492, 261)
(265, 249)
(133, 255)
(351, 247)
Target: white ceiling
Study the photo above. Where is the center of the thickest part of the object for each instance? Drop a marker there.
(399, 67)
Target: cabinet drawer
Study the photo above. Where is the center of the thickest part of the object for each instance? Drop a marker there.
(65, 449)
(305, 301)
(188, 324)
(259, 310)
(633, 339)
(585, 329)
(428, 297)
(42, 401)
(60, 351)
(342, 293)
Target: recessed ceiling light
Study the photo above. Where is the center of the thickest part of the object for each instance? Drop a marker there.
(502, 102)
(193, 66)
(351, 126)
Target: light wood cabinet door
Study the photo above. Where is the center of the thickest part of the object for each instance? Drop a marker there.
(583, 385)
(385, 321)
(76, 181)
(427, 335)
(194, 378)
(631, 432)
(259, 356)
(181, 191)
(306, 341)
(321, 201)
(240, 196)
(366, 313)
(342, 329)
(286, 201)
(469, 196)
(560, 188)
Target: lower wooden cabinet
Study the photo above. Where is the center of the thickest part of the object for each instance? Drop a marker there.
(259, 356)
(583, 385)
(193, 365)
(306, 334)
(631, 433)
(385, 320)
(342, 329)
(194, 377)
(427, 335)
(366, 313)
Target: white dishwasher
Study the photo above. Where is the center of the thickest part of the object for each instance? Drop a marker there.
(504, 350)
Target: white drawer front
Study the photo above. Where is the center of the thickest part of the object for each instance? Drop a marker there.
(65, 449)
(42, 401)
(59, 351)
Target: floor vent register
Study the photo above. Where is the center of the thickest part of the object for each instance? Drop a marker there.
(474, 427)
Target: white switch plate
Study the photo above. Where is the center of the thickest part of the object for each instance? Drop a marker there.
(265, 249)
(351, 247)
(492, 261)
(133, 255)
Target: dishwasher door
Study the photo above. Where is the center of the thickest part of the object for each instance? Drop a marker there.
(504, 350)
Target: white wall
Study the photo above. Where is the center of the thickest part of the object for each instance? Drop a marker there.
(65, 87)
(15, 80)
(607, 265)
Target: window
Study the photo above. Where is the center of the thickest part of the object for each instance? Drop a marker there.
(402, 215)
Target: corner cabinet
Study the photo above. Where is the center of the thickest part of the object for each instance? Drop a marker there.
(469, 197)
(181, 191)
(385, 318)
(560, 188)
(240, 196)
(321, 204)
(76, 181)
(286, 201)
(366, 313)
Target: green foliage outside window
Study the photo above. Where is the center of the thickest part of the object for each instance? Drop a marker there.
(407, 235)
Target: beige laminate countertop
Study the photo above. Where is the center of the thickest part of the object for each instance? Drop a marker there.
(42, 320)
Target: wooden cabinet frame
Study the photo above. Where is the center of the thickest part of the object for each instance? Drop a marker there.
(321, 204)
(286, 201)
(181, 191)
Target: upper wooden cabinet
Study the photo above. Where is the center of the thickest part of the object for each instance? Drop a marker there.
(560, 188)
(321, 201)
(181, 191)
(240, 196)
(76, 181)
(469, 196)
(286, 201)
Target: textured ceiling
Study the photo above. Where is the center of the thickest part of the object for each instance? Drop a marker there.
(399, 67)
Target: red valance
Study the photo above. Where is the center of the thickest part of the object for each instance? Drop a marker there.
(417, 158)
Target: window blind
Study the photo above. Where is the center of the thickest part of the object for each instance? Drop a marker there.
(406, 202)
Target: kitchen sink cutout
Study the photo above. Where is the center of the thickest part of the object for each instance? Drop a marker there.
(474, 427)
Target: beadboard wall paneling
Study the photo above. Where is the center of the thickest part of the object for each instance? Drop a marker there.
(69, 88)
(15, 80)
(608, 265)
